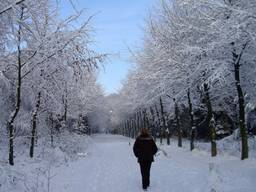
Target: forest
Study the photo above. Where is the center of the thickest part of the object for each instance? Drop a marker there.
(193, 84)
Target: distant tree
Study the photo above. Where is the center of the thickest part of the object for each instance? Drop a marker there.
(192, 126)
(177, 118)
(210, 120)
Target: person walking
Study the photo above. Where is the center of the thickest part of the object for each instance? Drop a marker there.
(144, 149)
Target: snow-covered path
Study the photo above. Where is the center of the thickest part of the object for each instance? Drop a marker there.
(111, 167)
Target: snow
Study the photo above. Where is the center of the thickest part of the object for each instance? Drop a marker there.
(31, 175)
(106, 163)
(111, 166)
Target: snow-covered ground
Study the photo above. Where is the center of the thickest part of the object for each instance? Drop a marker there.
(108, 164)
(34, 175)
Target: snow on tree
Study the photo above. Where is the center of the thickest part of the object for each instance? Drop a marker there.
(190, 43)
(46, 56)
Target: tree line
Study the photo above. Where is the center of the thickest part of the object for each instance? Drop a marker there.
(48, 72)
(195, 73)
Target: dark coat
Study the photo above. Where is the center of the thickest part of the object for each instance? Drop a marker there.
(145, 148)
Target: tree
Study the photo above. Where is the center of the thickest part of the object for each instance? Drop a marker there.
(210, 120)
(34, 125)
(192, 126)
(241, 101)
(163, 123)
(177, 118)
(14, 114)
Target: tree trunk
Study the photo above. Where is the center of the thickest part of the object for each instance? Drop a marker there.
(123, 130)
(145, 119)
(34, 124)
(133, 128)
(129, 128)
(52, 127)
(65, 104)
(158, 123)
(11, 135)
(152, 124)
(177, 117)
(242, 125)
(192, 127)
(126, 128)
(14, 114)
(135, 124)
(141, 120)
(163, 127)
(210, 120)
(138, 123)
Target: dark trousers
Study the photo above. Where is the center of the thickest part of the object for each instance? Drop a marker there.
(145, 173)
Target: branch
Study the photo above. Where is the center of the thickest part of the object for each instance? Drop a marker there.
(70, 19)
(241, 53)
(10, 7)
(48, 57)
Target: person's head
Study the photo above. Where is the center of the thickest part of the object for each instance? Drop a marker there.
(144, 131)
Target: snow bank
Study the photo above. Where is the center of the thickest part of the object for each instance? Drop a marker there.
(223, 173)
(230, 146)
(36, 174)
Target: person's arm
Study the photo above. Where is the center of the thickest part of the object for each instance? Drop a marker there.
(155, 149)
(135, 149)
